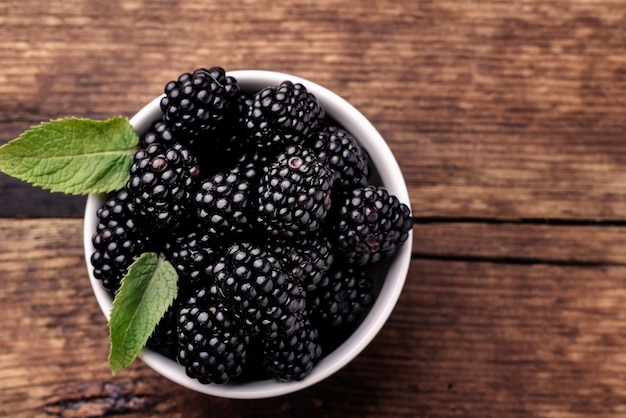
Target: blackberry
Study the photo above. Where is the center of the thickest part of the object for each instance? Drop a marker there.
(211, 345)
(223, 204)
(343, 154)
(295, 194)
(162, 181)
(342, 297)
(265, 298)
(307, 259)
(118, 240)
(371, 224)
(191, 253)
(283, 115)
(293, 357)
(199, 102)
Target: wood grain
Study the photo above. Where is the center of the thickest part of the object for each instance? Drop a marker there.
(525, 243)
(494, 110)
(467, 338)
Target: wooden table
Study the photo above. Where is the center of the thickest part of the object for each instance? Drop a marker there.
(509, 122)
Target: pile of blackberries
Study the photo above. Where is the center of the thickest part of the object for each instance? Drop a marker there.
(264, 206)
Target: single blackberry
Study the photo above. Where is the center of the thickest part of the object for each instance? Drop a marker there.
(307, 259)
(283, 115)
(292, 358)
(199, 102)
(162, 181)
(295, 194)
(371, 224)
(224, 203)
(118, 240)
(191, 253)
(342, 297)
(343, 154)
(265, 298)
(211, 345)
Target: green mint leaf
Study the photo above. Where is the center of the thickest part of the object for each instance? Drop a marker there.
(73, 156)
(147, 291)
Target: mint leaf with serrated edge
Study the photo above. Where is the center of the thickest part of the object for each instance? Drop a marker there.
(147, 290)
(73, 155)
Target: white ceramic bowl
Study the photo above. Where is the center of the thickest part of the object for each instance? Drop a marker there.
(391, 274)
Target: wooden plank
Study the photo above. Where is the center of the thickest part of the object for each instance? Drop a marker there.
(498, 340)
(22, 200)
(466, 338)
(508, 110)
(586, 244)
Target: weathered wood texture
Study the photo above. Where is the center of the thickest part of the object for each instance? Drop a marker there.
(508, 120)
(494, 109)
(468, 338)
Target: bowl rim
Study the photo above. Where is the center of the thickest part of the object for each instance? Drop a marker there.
(392, 179)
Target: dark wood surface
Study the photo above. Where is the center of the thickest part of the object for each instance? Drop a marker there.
(508, 120)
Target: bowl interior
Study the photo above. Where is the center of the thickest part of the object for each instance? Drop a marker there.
(389, 274)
